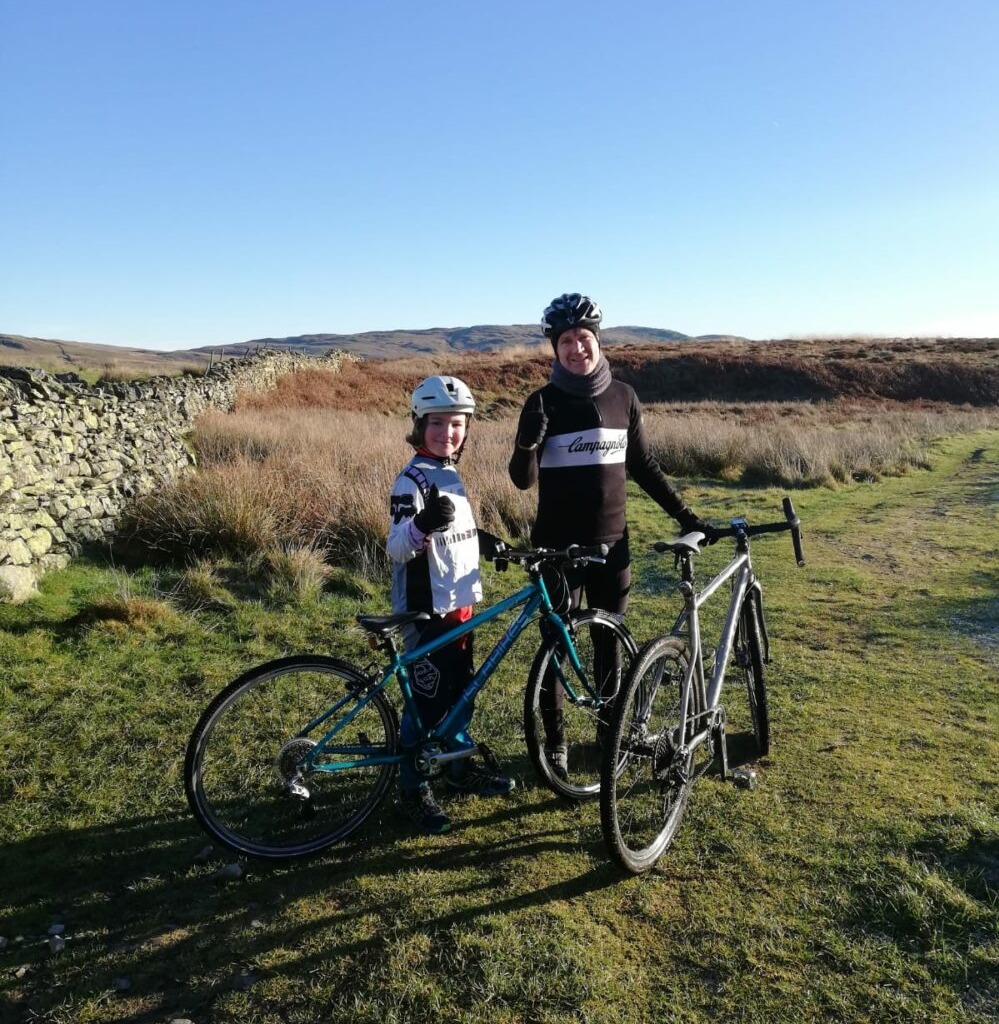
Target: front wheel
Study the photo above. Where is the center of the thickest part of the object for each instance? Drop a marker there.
(565, 722)
(647, 769)
(290, 758)
(749, 654)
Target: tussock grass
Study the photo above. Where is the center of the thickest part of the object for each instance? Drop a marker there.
(319, 478)
(801, 444)
(295, 572)
(119, 613)
(200, 587)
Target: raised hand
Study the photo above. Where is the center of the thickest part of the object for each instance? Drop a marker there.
(533, 427)
(436, 515)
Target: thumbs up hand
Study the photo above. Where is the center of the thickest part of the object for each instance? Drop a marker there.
(437, 515)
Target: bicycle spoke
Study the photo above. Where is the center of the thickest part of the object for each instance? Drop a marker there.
(261, 787)
(647, 778)
(566, 726)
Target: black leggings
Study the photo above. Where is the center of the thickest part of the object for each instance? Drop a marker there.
(604, 586)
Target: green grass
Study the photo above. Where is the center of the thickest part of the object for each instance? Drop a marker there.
(858, 882)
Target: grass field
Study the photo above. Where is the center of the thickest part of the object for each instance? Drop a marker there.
(858, 882)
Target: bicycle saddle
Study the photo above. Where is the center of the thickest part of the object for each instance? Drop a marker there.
(389, 623)
(688, 544)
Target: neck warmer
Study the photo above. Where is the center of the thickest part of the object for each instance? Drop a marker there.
(588, 386)
(444, 461)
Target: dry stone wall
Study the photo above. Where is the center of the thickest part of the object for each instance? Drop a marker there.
(72, 454)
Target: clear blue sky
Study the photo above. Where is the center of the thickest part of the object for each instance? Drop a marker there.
(185, 173)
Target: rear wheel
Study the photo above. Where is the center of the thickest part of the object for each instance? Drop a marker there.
(566, 731)
(647, 770)
(749, 655)
(254, 769)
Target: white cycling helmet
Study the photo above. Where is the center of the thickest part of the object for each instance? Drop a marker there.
(442, 394)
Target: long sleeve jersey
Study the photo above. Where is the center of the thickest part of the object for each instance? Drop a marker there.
(581, 466)
(436, 572)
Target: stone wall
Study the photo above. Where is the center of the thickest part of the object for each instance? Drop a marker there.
(71, 454)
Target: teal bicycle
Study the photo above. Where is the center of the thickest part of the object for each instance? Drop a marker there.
(297, 754)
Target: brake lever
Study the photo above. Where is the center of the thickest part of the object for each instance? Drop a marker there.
(578, 563)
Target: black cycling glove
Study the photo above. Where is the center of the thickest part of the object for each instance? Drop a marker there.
(490, 546)
(689, 523)
(437, 514)
(533, 427)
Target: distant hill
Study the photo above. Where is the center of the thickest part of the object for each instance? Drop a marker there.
(60, 356)
(450, 340)
(81, 356)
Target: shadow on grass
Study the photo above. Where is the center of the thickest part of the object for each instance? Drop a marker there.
(137, 902)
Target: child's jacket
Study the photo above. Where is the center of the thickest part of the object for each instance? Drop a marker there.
(439, 572)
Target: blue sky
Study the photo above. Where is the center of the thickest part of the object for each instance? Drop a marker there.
(180, 174)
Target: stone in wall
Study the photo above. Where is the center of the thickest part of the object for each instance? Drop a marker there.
(72, 455)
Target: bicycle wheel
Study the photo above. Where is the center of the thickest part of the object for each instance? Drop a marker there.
(749, 656)
(245, 775)
(565, 731)
(646, 777)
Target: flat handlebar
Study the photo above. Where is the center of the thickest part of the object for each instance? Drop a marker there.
(573, 553)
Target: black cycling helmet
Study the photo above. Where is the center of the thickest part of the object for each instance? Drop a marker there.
(570, 310)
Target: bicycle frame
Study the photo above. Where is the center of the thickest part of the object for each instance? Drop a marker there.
(531, 598)
(706, 693)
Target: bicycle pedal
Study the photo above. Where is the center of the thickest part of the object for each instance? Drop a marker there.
(490, 760)
(744, 778)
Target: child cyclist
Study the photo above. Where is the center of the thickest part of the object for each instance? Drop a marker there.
(435, 547)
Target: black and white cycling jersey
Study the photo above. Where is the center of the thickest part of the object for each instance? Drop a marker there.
(437, 572)
(581, 466)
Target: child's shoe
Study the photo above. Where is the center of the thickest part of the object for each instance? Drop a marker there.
(424, 812)
(479, 781)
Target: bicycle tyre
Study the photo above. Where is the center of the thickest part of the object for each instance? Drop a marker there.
(583, 723)
(247, 746)
(646, 779)
(750, 656)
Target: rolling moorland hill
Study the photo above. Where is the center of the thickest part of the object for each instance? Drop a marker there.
(908, 370)
(503, 364)
(76, 356)
(455, 340)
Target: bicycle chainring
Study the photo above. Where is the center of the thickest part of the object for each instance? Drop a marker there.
(423, 760)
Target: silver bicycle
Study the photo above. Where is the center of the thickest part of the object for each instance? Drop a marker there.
(668, 725)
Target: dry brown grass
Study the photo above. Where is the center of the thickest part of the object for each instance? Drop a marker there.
(955, 371)
(309, 466)
(803, 444)
(318, 479)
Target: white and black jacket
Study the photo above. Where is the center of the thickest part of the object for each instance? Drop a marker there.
(436, 572)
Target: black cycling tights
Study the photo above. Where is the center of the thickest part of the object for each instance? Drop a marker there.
(605, 586)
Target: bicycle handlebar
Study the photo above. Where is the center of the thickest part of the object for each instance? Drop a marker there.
(795, 526)
(573, 553)
(791, 522)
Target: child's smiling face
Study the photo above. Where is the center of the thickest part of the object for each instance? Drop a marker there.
(444, 433)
